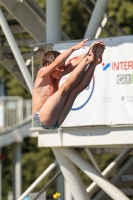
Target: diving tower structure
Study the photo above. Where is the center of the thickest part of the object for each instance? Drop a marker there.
(105, 125)
(94, 128)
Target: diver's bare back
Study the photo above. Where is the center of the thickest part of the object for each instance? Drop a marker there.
(43, 89)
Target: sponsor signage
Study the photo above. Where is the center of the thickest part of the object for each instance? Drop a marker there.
(109, 97)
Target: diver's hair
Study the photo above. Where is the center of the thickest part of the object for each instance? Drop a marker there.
(49, 57)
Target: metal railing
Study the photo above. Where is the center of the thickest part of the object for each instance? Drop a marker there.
(13, 109)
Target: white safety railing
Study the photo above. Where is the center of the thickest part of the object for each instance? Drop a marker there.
(13, 109)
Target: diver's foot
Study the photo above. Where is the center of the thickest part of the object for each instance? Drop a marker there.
(99, 52)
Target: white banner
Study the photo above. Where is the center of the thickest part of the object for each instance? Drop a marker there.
(108, 100)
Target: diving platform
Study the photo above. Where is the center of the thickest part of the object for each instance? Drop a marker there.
(116, 136)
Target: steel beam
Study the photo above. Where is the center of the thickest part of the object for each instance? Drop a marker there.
(109, 18)
(53, 15)
(16, 51)
(27, 17)
(26, 12)
(92, 159)
(96, 19)
(17, 179)
(71, 175)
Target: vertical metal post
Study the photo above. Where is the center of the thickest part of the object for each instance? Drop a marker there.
(71, 175)
(16, 51)
(32, 61)
(96, 18)
(92, 159)
(20, 109)
(33, 77)
(17, 170)
(53, 23)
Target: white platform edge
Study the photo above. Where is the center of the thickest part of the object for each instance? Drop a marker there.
(86, 136)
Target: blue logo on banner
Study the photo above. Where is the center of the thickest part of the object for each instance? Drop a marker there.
(106, 66)
(84, 97)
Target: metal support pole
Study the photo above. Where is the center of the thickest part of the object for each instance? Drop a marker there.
(102, 23)
(92, 159)
(99, 30)
(16, 51)
(104, 184)
(53, 25)
(17, 179)
(96, 18)
(111, 20)
(71, 175)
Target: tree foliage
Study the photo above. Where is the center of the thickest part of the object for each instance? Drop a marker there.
(121, 12)
(75, 18)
